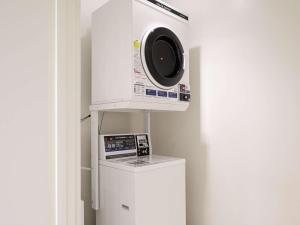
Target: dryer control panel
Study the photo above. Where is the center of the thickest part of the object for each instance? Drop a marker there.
(124, 145)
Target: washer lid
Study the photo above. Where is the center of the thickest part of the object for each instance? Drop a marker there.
(163, 57)
(142, 162)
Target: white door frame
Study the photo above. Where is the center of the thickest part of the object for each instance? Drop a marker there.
(64, 80)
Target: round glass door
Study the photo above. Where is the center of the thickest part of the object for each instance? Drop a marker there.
(163, 57)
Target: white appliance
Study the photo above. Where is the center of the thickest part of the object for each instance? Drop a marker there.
(140, 57)
(136, 187)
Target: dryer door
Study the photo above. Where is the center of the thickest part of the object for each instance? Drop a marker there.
(163, 57)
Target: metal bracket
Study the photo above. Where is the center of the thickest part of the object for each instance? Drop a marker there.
(95, 153)
(95, 159)
(147, 120)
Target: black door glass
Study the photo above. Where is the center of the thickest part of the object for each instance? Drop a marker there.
(164, 56)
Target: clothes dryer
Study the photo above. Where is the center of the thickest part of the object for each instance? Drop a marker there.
(140, 56)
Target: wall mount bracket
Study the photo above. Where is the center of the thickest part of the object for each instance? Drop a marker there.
(95, 153)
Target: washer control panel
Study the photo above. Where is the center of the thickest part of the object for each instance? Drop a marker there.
(119, 143)
(124, 145)
(142, 144)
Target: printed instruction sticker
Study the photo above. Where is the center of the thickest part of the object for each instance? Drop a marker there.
(139, 89)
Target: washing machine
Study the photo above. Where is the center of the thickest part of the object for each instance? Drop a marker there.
(140, 57)
(136, 187)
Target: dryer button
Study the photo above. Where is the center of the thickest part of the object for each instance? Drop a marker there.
(151, 92)
(172, 95)
(162, 93)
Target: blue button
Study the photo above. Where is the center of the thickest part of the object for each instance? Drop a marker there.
(162, 93)
(151, 92)
(172, 95)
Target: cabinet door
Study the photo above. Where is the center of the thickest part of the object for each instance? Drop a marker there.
(127, 206)
(108, 214)
(160, 196)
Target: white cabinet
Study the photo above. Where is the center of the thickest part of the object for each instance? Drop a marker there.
(146, 195)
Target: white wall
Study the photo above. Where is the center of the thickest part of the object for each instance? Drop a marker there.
(241, 135)
(24, 66)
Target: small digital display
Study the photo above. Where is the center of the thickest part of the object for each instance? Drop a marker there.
(119, 143)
